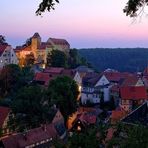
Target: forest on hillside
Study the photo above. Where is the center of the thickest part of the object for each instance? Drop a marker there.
(121, 59)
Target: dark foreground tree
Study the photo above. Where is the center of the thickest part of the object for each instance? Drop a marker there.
(29, 109)
(2, 40)
(131, 136)
(10, 78)
(131, 9)
(63, 91)
(135, 7)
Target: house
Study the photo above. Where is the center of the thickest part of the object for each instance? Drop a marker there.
(115, 94)
(132, 81)
(132, 97)
(93, 86)
(43, 78)
(58, 122)
(137, 116)
(117, 115)
(38, 137)
(40, 49)
(7, 55)
(4, 116)
(84, 120)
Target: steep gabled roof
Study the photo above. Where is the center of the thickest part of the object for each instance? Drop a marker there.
(58, 41)
(133, 93)
(2, 48)
(4, 111)
(32, 136)
(55, 70)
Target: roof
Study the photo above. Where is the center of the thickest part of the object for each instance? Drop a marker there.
(58, 41)
(4, 111)
(56, 70)
(43, 77)
(87, 118)
(145, 72)
(44, 45)
(113, 76)
(117, 115)
(134, 93)
(2, 48)
(30, 137)
(84, 69)
(91, 78)
(36, 35)
(138, 116)
(130, 81)
(69, 72)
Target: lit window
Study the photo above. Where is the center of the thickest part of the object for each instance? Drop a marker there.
(79, 128)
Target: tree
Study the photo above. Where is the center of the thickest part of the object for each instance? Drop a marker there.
(134, 6)
(63, 91)
(74, 59)
(29, 109)
(129, 136)
(10, 77)
(58, 58)
(2, 40)
(88, 139)
(131, 9)
(46, 5)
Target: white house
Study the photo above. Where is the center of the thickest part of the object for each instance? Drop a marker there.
(93, 86)
(7, 55)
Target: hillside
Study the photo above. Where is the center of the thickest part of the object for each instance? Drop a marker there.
(122, 59)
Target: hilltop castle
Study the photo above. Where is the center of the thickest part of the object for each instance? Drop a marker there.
(41, 49)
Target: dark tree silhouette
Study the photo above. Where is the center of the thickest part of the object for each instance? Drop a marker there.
(130, 9)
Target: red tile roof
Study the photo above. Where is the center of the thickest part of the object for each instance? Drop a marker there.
(87, 118)
(43, 77)
(130, 81)
(32, 136)
(55, 70)
(4, 111)
(58, 41)
(2, 48)
(117, 115)
(113, 76)
(133, 93)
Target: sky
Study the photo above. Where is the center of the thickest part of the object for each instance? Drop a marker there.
(83, 23)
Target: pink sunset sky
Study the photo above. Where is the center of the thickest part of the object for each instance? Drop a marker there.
(84, 23)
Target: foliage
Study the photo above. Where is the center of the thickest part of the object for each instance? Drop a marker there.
(131, 9)
(46, 5)
(134, 6)
(9, 78)
(88, 139)
(63, 91)
(74, 59)
(29, 108)
(130, 136)
(103, 58)
(57, 58)
(2, 40)
(12, 78)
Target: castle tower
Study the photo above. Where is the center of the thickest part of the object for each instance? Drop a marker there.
(35, 43)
